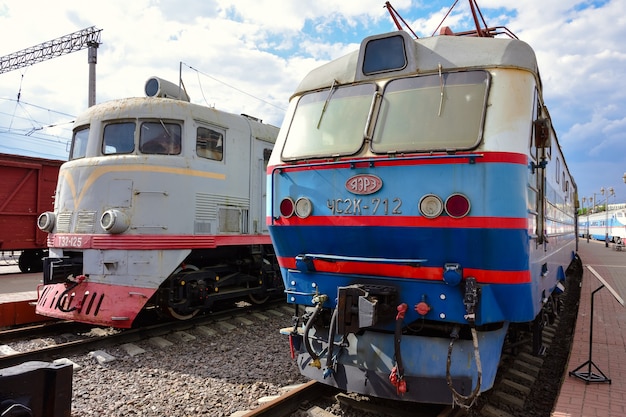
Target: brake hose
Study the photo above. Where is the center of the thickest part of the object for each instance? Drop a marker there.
(457, 398)
(319, 300)
(75, 283)
(331, 344)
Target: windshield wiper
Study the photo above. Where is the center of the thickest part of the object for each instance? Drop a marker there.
(330, 93)
(441, 91)
(169, 135)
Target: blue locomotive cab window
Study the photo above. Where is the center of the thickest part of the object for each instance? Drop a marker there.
(118, 138)
(210, 144)
(79, 143)
(386, 54)
(433, 112)
(160, 138)
(330, 122)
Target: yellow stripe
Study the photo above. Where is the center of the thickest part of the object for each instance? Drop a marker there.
(99, 171)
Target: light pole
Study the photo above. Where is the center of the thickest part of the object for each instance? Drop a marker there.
(594, 202)
(609, 192)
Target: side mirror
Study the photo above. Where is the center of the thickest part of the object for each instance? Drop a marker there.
(542, 133)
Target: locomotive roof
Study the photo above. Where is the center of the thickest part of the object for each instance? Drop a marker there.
(151, 107)
(452, 52)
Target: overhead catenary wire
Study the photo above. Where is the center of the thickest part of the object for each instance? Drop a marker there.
(35, 124)
(230, 86)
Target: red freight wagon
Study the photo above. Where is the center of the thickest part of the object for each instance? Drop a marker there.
(27, 187)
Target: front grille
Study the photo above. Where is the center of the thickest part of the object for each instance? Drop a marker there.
(64, 220)
(85, 222)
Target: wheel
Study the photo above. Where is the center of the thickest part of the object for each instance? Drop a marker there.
(258, 300)
(174, 313)
(30, 261)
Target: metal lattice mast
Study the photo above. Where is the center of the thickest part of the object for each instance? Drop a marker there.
(86, 38)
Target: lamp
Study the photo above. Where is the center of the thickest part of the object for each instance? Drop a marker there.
(609, 192)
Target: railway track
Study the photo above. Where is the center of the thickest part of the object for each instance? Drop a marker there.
(288, 403)
(519, 379)
(518, 376)
(87, 338)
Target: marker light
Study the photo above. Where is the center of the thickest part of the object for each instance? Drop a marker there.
(45, 221)
(457, 206)
(430, 206)
(287, 207)
(114, 221)
(304, 207)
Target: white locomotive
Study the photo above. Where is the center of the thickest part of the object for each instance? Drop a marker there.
(605, 224)
(162, 203)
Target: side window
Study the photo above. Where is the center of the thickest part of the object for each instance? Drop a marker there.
(160, 138)
(210, 144)
(79, 143)
(118, 138)
(558, 170)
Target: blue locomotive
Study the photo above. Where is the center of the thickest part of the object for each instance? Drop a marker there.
(421, 209)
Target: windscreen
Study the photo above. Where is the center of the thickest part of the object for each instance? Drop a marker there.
(434, 112)
(329, 122)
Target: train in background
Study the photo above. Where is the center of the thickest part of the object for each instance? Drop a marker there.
(160, 206)
(611, 223)
(27, 187)
(422, 212)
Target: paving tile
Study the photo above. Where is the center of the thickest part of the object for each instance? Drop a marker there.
(578, 398)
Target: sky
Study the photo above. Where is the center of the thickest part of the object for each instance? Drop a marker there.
(248, 56)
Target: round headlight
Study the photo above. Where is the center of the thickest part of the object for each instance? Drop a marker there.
(45, 221)
(431, 206)
(304, 207)
(287, 207)
(114, 221)
(457, 205)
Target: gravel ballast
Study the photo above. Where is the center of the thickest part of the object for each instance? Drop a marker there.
(201, 375)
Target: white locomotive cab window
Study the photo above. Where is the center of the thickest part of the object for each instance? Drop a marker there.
(79, 143)
(118, 138)
(434, 112)
(160, 138)
(210, 144)
(329, 122)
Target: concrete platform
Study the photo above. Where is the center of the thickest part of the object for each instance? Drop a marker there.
(19, 308)
(18, 295)
(579, 397)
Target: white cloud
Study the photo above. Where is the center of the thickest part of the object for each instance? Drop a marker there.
(263, 48)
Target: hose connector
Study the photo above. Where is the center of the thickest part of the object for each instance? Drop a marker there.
(320, 299)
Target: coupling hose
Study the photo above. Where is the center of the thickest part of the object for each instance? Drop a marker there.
(457, 398)
(319, 300)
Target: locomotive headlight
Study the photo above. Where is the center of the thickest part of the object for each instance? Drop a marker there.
(304, 207)
(430, 206)
(457, 205)
(114, 221)
(287, 207)
(45, 221)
